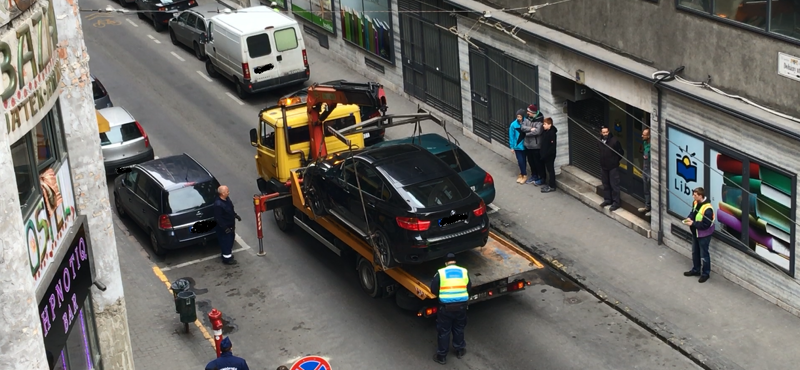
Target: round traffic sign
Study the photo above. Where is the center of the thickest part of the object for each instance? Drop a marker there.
(311, 363)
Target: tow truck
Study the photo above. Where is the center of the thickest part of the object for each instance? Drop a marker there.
(292, 134)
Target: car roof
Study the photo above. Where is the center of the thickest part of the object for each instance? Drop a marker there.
(406, 164)
(116, 116)
(176, 171)
(433, 143)
(253, 19)
(207, 10)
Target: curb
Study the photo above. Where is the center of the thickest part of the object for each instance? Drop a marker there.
(619, 301)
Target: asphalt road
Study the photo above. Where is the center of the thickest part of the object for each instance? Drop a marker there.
(300, 299)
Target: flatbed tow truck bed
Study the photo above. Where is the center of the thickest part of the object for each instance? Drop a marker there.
(497, 269)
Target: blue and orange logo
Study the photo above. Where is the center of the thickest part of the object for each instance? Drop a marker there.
(685, 166)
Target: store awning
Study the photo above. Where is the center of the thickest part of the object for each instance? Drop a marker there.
(102, 123)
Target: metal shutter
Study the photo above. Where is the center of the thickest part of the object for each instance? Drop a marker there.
(586, 118)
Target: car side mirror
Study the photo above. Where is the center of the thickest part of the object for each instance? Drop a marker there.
(203, 38)
(253, 137)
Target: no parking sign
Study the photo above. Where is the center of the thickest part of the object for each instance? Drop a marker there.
(311, 363)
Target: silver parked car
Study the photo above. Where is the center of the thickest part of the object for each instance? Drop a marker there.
(186, 27)
(101, 98)
(126, 143)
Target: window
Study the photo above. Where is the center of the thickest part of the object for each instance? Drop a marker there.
(301, 135)
(192, 196)
(45, 145)
(464, 161)
(285, 39)
(24, 170)
(191, 20)
(98, 90)
(258, 45)
(774, 16)
(368, 25)
(131, 177)
(267, 135)
(183, 17)
(439, 192)
(371, 182)
(201, 24)
(81, 351)
(754, 202)
(120, 134)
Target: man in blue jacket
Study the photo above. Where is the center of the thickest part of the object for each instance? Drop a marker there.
(701, 223)
(516, 141)
(225, 215)
(226, 360)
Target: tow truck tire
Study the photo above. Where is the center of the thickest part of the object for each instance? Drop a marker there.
(284, 217)
(372, 282)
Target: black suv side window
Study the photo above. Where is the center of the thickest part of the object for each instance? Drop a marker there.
(149, 192)
(130, 179)
(371, 182)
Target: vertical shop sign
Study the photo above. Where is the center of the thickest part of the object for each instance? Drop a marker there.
(686, 172)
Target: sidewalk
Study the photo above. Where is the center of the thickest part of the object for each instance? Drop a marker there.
(718, 324)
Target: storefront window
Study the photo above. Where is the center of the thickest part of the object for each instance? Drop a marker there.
(754, 202)
(24, 171)
(80, 351)
(781, 16)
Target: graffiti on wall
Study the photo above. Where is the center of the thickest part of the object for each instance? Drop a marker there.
(51, 219)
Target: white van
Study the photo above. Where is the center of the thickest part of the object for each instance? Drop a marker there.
(257, 48)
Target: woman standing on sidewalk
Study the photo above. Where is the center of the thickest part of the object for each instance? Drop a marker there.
(515, 141)
(548, 154)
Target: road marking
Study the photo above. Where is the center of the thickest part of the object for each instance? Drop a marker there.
(132, 23)
(151, 37)
(177, 56)
(194, 262)
(156, 41)
(494, 209)
(234, 98)
(155, 157)
(203, 75)
(197, 322)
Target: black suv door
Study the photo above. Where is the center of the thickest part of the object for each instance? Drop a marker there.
(148, 197)
(371, 191)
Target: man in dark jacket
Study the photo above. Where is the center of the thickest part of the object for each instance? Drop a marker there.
(610, 154)
(548, 153)
(451, 284)
(226, 360)
(532, 126)
(224, 215)
(701, 224)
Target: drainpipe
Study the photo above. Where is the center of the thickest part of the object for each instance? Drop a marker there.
(664, 77)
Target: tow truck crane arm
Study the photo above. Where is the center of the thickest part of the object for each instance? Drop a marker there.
(323, 99)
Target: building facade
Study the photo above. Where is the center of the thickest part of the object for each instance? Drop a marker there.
(63, 291)
(717, 81)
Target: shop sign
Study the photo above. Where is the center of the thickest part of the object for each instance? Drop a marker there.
(58, 309)
(789, 66)
(50, 222)
(30, 73)
(10, 9)
(685, 158)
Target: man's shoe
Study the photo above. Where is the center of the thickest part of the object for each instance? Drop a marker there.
(691, 273)
(230, 261)
(440, 359)
(605, 204)
(647, 214)
(461, 352)
(530, 180)
(644, 209)
(538, 182)
(703, 279)
(614, 207)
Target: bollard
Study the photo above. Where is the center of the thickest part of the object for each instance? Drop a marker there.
(260, 205)
(215, 317)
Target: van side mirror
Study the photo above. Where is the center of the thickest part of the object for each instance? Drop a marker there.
(253, 137)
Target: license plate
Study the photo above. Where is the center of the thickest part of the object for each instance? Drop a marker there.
(453, 219)
(366, 135)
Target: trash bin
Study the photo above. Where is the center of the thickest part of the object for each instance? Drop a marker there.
(186, 306)
(178, 286)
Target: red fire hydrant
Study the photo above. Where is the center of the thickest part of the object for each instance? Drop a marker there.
(215, 316)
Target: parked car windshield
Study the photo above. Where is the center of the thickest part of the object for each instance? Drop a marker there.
(450, 158)
(120, 134)
(194, 196)
(439, 192)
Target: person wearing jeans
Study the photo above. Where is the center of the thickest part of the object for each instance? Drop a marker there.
(532, 126)
(610, 154)
(701, 223)
(646, 171)
(548, 153)
(515, 141)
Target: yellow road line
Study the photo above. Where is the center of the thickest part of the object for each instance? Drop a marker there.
(513, 246)
(197, 322)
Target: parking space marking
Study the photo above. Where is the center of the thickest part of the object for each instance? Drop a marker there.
(194, 262)
(160, 274)
(132, 23)
(156, 41)
(203, 75)
(151, 37)
(177, 56)
(493, 209)
(234, 98)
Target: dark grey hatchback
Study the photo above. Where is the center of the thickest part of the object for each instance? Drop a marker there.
(171, 199)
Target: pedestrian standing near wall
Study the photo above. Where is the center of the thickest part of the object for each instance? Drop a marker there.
(610, 154)
(701, 224)
(516, 137)
(224, 215)
(532, 126)
(548, 153)
(646, 171)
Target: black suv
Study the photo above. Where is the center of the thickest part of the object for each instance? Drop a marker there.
(171, 198)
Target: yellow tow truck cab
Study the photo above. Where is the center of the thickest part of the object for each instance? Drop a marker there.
(280, 150)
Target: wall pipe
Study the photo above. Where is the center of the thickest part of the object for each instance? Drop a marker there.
(666, 77)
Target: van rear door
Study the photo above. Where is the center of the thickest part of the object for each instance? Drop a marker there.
(289, 48)
(260, 57)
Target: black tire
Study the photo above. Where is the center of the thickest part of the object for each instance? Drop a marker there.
(384, 255)
(210, 69)
(158, 26)
(173, 38)
(139, 13)
(315, 201)
(240, 90)
(118, 206)
(284, 217)
(157, 248)
(371, 281)
(199, 53)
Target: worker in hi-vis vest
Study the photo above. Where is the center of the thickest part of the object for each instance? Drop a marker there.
(451, 284)
(701, 223)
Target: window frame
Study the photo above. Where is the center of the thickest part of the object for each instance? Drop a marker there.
(766, 31)
(27, 205)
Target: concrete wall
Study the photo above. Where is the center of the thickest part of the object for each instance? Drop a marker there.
(763, 146)
(660, 35)
(89, 182)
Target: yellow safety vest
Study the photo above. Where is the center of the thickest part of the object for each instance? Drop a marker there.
(453, 282)
(699, 218)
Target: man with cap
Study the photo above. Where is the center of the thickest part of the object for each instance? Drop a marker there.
(451, 284)
(226, 360)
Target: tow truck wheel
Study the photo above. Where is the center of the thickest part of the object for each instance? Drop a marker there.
(372, 282)
(284, 217)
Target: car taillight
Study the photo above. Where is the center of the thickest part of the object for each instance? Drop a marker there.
(164, 223)
(162, 9)
(427, 312)
(192, 2)
(305, 58)
(413, 223)
(488, 179)
(246, 71)
(144, 134)
(481, 209)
